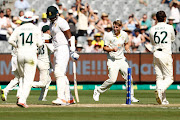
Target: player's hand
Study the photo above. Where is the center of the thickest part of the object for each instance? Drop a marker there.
(74, 56)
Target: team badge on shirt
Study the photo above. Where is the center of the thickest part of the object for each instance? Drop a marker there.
(119, 46)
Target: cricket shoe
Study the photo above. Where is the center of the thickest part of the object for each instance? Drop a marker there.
(133, 99)
(23, 105)
(158, 94)
(165, 102)
(60, 102)
(71, 101)
(3, 95)
(43, 99)
(96, 95)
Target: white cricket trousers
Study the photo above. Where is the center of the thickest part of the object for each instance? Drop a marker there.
(14, 82)
(163, 64)
(114, 67)
(27, 67)
(61, 55)
(45, 78)
(44, 74)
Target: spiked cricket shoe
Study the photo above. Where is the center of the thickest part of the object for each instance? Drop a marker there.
(158, 94)
(23, 105)
(133, 99)
(165, 102)
(96, 95)
(3, 95)
(72, 101)
(60, 102)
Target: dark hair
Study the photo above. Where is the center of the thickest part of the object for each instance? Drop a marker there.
(117, 22)
(45, 28)
(20, 12)
(154, 14)
(137, 30)
(8, 9)
(160, 15)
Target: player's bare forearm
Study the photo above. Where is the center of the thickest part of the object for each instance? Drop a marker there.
(67, 33)
(99, 28)
(108, 49)
(127, 48)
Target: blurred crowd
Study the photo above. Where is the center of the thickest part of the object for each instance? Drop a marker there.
(88, 25)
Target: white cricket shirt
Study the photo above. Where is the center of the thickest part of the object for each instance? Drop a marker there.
(112, 41)
(26, 38)
(161, 36)
(57, 29)
(45, 50)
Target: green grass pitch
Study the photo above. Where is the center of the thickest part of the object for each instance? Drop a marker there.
(150, 111)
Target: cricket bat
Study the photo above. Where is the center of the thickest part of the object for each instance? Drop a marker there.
(75, 82)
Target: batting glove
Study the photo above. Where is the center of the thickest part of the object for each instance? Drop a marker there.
(74, 56)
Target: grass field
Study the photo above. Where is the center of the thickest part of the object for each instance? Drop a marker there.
(108, 108)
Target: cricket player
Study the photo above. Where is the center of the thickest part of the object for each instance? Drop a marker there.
(161, 37)
(114, 45)
(44, 63)
(26, 38)
(60, 31)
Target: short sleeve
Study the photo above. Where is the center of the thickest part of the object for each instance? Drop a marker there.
(172, 34)
(151, 37)
(13, 38)
(39, 38)
(107, 38)
(63, 24)
(126, 37)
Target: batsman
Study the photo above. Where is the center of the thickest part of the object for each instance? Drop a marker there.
(61, 34)
(114, 45)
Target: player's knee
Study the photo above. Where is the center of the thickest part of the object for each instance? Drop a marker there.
(44, 83)
(159, 77)
(172, 79)
(59, 72)
(112, 81)
(15, 80)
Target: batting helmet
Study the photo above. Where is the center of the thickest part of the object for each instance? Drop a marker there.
(51, 12)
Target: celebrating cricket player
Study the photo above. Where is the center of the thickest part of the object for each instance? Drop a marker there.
(114, 45)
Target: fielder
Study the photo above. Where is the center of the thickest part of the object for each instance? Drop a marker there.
(44, 63)
(26, 38)
(60, 31)
(114, 45)
(161, 36)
